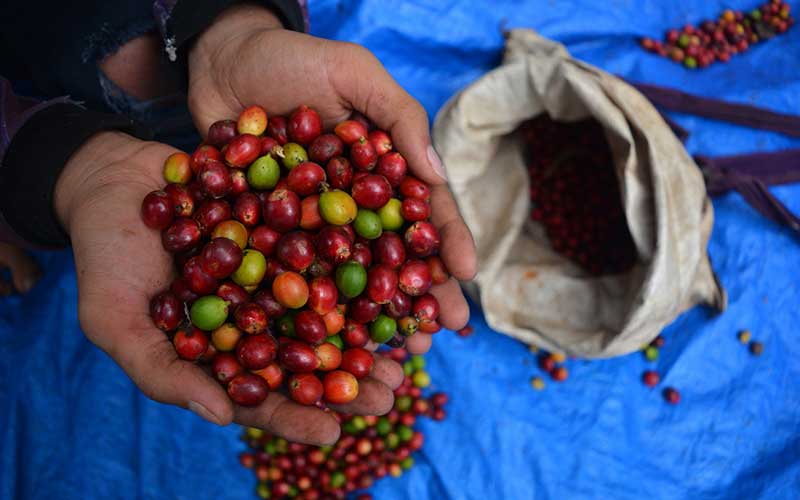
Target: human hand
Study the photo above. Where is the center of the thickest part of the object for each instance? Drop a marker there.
(121, 264)
(246, 58)
(24, 272)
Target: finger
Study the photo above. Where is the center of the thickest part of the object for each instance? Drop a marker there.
(150, 360)
(24, 272)
(457, 247)
(370, 89)
(289, 420)
(205, 111)
(387, 372)
(384, 369)
(374, 398)
(419, 343)
(454, 311)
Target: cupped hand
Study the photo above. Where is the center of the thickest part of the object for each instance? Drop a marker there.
(120, 264)
(246, 58)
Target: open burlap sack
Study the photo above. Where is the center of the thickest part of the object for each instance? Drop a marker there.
(526, 289)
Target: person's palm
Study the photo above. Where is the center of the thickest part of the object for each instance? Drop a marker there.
(243, 60)
(121, 264)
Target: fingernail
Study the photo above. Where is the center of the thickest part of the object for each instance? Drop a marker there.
(436, 163)
(203, 412)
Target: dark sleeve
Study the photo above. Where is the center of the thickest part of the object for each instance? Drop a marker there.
(36, 140)
(180, 21)
(57, 44)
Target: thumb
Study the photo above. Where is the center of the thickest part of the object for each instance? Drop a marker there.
(370, 89)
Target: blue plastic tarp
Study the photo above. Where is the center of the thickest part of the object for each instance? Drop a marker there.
(72, 426)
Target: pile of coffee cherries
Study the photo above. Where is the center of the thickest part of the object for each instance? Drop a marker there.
(652, 378)
(733, 33)
(293, 248)
(575, 196)
(370, 447)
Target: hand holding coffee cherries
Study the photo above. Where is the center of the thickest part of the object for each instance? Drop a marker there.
(245, 57)
(121, 264)
(293, 256)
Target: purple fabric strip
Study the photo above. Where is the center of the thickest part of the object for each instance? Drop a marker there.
(723, 172)
(750, 174)
(758, 196)
(680, 132)
(740, 114)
